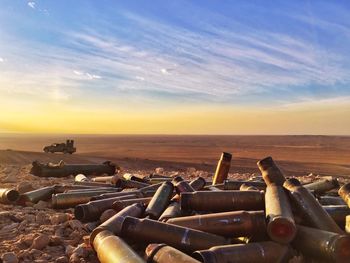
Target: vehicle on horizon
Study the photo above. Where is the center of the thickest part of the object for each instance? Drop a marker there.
(67, 147)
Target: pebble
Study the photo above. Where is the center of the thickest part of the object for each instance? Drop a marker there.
(40, 242)
(9, 257)
(159, 170)
(75, 225)
(62, 260)
(24, 187)
(41, 205)
(59, 218)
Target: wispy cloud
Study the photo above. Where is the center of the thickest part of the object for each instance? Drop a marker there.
(2, 59)
(32, 5)
(86, 75)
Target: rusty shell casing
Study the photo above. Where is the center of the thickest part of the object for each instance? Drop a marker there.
(135, 194)
(159, 180)
(106, 189)
(160, 200)
(222, 201)
(270, 172)
(65, 188)
(246, 187)
(338, 213)
(173, 210)
(344, 193)
(8, 196)
(322, 245)
(310, 208)
(130, 184)
(198, 183)
(119, 205)
(331, 200)
(230, 224)
(45, 170)
(181, 186)
(322, 186)
(223, 168)
(114, 223)
(347, 224)
(67, 200)
(261, 252)
(152, 231)
(36, 195)
(149, 188)
(235, 185)
(155, 175)
(280, 221)
(104, 179)
(81, 178)
(93, 184)
(134, 177)
(92, 210)
(213, 188)
(110, 248)
(161, 253)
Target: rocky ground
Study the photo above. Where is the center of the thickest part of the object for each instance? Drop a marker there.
(38, 233)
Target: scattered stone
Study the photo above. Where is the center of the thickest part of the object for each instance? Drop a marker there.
(159, 170)
(40, 242)
(59, 218)
(9, 257)
(75, 225)
(107, 215)
(24, 187)
(61, 260)
(191, 170)
(69, 250)
(41, 205)
(55, 241)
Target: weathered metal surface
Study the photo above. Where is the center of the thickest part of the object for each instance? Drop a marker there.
(222, 169)
(8, 196)
(161, 253)
(160, 200)
(344, 192)
(322, 186)
(270, 172)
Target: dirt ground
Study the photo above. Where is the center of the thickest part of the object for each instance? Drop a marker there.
(38, 233)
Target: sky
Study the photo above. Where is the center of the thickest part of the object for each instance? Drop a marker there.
(175, 67)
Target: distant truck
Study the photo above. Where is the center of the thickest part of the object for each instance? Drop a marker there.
(67, 147)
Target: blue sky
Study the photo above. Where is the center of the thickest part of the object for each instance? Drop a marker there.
(161, 53)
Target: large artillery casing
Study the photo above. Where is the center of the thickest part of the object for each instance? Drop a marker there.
(67, 200)
(181, 186)
(347, 224)
(270, 171)
(161, 253)
(263, 252)
(160, 200)
(119, 205)
(173, 210)
(154, 175)
(106, 189)
(245, 187)
(130, 184)
(8, 196)
(322, 245)
(110, 248)
(81, 178)
(92, 210)
(322, 186)
(134, 177)
(43, 170)
(310, 208)
(222, 168)
(331, 200)
(136, 194)
(281, 226)
(179, 237)
(159, 180)
(37, 195)
(114, 223)
(112, 179)
(338, 213)
(152, 187)
(198, 183)
(344, 192)
(222, 201)
(230, 224)
(235, 185)
(65, 188)
(93, 184)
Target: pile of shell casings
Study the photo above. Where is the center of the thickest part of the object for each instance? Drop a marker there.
(168, 219)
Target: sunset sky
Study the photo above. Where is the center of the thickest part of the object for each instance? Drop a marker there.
(175, 67)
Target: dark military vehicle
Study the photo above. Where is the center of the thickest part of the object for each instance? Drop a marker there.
(67, 147)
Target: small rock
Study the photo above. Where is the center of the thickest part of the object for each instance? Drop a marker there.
(40, 242)
(107, 215)
(69, 250)
(191, 170)
(55, 241)
(9, 257)
(41, 205)
(159, 170)
(41, 218)
(75, 225)
(61, 260)
(59, 218)
(27, 240)
(24, 187)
